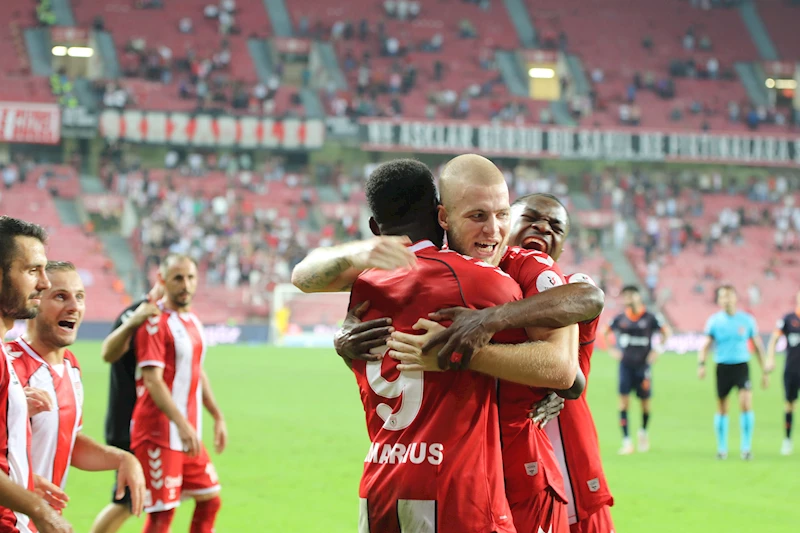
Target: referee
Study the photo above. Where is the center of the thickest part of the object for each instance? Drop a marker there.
(118, 349)
(731, 330)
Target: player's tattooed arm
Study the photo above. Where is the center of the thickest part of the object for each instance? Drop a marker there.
(336, 268)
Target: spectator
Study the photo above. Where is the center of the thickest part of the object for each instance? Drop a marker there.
(185, 25)
(211, 11)
(712, 66)
(733, 111)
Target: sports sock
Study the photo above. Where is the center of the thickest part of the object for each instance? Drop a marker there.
(721, 429)
(158, 522)
(205, 514)
(623, 422)
(747, 421)
(645, 420)
(789, 417)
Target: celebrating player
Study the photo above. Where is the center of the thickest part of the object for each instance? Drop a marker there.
(403, 200)
(540, 222)
(472, 213)
(634, 330)
(788, 326)
(22, 264)
(166, 426)
(731, 330)
(119, 349)
(42, 361)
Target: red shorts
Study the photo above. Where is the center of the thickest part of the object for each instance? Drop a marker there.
(599, 522)
(172, 474)
(543, 512)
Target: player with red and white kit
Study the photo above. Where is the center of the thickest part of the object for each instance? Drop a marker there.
(428, 470)
(22, 281)
(42, 361)
(540, 222)
(166, 427)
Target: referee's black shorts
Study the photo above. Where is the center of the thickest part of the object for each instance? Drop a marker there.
(730, 376)
(791, 385)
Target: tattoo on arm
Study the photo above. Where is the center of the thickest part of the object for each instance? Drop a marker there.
(317, 279)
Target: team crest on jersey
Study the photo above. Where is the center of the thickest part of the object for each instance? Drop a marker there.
(548, 280)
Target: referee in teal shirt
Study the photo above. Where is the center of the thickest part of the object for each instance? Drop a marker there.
(731, 330)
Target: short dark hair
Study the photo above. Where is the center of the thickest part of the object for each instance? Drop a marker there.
(60, 266)
(400, 191)
(10, 229)
(523, 200)
(630, 288)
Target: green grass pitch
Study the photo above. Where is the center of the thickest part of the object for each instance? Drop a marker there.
(297, 442)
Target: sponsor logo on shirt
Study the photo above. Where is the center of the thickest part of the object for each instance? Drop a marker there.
(398, 453)
(532, 468)
(594, 485)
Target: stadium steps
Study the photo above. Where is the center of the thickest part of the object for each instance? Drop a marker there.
(63, 12)
(261, 55)
(39, 46)
(510, 70)
(92, 185)
(108, 54)
(521, 19)
(578, 74)
(753, 83)
(327, 56)
(85, 95)
(312, 103)
(758, 31)
(125, 264)
(279, 15)
(561, 113)
(67, 212)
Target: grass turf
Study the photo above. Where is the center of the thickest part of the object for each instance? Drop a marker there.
(297, 442)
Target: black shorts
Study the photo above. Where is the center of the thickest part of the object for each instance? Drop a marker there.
(126, 499)
(635, 377)
(791, 385)
(730, 376)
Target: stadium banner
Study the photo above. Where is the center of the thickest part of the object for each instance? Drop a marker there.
(30, 123)
(185, 129)
(579, 143)
(79, 122)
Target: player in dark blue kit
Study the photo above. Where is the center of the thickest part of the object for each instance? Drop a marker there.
(634, 330)
(789, 327)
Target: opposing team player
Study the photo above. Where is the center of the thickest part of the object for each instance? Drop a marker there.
(634, 330)
(42, 360)
(540, 222)
(463, 450)
(173, 387)
(477, 222)
(22, 281)
(788, 326)
(731, 330)
(119, 349)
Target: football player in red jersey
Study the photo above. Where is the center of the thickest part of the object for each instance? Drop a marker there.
(438, 505)
(541, 223)
(173, 388)
(41, 359)
(22, 281)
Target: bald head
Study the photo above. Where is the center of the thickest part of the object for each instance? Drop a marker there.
(465, 171)
(475, 208)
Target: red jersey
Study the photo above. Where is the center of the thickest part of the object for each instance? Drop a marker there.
(574, 438)
(528, 458)
(434, 463)
(175, 342)
(54, 431)
(15, 442)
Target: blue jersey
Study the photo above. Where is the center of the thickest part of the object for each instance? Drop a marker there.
(731, 334)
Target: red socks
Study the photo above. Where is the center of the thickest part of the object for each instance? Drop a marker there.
(205, 514)
(158, 522)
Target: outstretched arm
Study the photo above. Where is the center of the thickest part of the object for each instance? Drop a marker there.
(336, 268)
(556, 308)
(550, 360)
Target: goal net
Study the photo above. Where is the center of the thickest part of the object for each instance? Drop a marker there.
(309, 320)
